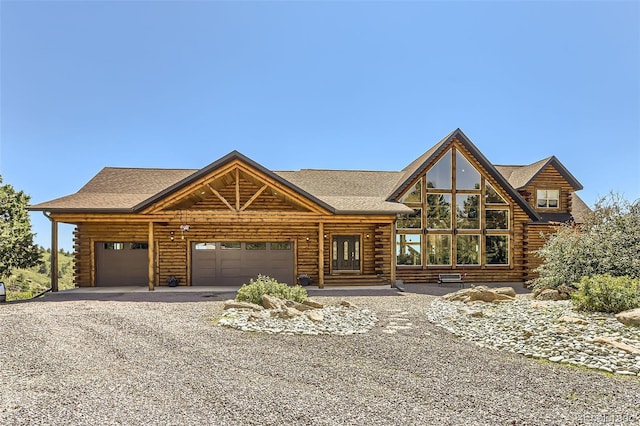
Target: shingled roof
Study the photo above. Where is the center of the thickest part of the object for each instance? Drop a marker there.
(130, 190)
(520, 176)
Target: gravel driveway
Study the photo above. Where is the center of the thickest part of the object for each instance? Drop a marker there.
(117, 362)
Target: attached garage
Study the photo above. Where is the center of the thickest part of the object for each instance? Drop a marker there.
(235, 263)
(122, 263)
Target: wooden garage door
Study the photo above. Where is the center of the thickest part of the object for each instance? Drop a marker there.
(234, 263)
(122, 263)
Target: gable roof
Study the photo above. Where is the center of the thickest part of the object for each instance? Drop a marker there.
(419, 166)
(129, 190)
(116, 189)
(521, 176)
(349, 191)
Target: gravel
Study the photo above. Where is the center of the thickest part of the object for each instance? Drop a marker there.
(116, 362)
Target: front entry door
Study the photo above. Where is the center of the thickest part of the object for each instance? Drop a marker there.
(346, 253)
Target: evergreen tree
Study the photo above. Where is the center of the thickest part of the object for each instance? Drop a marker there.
(17, 249)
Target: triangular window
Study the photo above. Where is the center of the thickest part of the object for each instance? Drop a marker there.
(467, 177)
(414, 195)
(492, 196)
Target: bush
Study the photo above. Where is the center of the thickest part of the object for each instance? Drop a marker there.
(604, 293)
(253, 291)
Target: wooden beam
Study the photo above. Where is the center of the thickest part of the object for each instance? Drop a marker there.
(237, 189)
(393, 254)
(151, 250)
(224, 200)
(54, 255)
(321, 255)
(253, 198)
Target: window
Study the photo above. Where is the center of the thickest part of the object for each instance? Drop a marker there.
(439, 211)
(281, 246)
(548, 198)
(414, 195)
(497, 219)
(497, 249)
(408, 249)
(410, 220)
(205, 246)
(139, 246)
(256, 246)
(439, 249)
(468, 211)
(114, 246)
(230, 246)
(491, 196)
(468, 249)
(467, 177)
(466, 220)
(439, 176)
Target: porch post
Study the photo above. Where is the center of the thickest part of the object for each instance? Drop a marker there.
(151, 251)
(54, 255)
(393, 254)
(321, 255)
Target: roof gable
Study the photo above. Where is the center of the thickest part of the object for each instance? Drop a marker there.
(218, 185)
(521, 176)
(422, 163)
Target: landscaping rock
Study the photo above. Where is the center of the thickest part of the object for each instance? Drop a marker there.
(286, 313)
(630, 317)
(481, 293)
(234, 304)
(573, 320)
(549, 294)
(315, 316)
(313, 304)
(271, 302)
(299, 306)
(347, 304)
(619, 345)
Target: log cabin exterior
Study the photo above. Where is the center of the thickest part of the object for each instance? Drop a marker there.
(450, 210)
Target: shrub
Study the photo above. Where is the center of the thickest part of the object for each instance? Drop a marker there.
(607, 243)
(604, 293)
(253, 291)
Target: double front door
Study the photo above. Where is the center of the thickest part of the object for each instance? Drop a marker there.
(346, 253)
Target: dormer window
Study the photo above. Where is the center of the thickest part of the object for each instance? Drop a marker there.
(548, 198)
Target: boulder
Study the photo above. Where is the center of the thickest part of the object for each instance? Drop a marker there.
(286, 312)
(549, 294)
(573, 320)
(619, 345)
(481, 293)
(315, 316)
(630, 317)
(271, 302)
(234, 304)
(507, 291)
(258, 315)
(347, 304)
(313, 304)
(299, 306)
(565, 291)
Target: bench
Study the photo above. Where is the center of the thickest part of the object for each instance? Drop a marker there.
(450, 278)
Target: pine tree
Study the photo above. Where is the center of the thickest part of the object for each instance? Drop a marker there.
(17, 249)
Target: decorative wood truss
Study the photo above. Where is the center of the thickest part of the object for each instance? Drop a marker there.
(236, 187)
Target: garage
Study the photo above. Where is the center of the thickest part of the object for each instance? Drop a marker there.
(122, 263)
(235, 263)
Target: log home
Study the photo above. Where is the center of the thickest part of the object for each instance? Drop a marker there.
(450, 210)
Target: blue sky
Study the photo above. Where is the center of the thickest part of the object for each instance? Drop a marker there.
(334, 85)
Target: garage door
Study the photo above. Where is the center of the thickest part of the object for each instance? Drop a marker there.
(234, 263)
(122, 263)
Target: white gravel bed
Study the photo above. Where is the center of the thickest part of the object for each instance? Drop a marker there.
(149, 363)
(549, 330)
(338, 320)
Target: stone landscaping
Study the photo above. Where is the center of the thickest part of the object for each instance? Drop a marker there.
(277, 315)
(546, 329)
